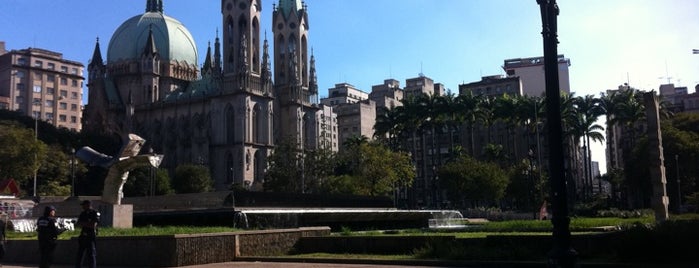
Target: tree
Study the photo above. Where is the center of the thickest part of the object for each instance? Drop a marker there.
(381, 170)
(470, 179)
(138, 183)
(284, 168)
(21, 154)
(372, 169)
(190, 178)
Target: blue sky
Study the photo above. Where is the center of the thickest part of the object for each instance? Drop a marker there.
(363, 42)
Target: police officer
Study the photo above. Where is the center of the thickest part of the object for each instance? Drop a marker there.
(87, 221)
(48, 231)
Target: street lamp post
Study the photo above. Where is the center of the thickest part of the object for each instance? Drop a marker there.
(36, 138)
(151, 175)
(679, 191)
(72, 172)
(562, 254)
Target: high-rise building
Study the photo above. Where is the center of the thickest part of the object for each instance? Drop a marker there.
(493, 86)
(42, 84)
(229, 114)
(531, 72)
(344, 93)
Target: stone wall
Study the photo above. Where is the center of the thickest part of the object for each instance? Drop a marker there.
(170, 250)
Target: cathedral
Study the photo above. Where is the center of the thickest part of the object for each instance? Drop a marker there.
(227, 114)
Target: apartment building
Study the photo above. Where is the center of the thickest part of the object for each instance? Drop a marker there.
(531, 71)
(344, 93)
(42, 84)
(493, 86)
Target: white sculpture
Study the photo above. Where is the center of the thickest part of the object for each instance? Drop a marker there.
(119, 167)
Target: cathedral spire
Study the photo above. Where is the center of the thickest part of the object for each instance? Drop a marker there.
(97, 54)
(217, 54)
(313, 84)
(288, 6)
(154, 6)
(207, 68)
(266, 67)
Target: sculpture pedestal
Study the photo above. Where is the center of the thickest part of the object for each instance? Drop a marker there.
(116, 216)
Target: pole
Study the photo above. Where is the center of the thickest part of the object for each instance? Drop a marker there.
(561, 255)
(151, 180)
(36, 138)
(679, 190)
(72, 172)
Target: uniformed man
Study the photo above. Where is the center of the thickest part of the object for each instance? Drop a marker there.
(87, 221)
(48, 231)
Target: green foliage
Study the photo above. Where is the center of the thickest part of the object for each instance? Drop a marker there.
(191, 178)
(372, 169)
(467, 178)
(284, 171)
(138, 183)
(21, 154)
(526, 189)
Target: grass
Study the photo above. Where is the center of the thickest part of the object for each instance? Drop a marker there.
(136, 231)
(513, 227)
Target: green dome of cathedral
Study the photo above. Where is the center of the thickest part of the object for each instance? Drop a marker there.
(172, 40)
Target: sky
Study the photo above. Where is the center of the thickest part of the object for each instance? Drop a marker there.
(362, 42)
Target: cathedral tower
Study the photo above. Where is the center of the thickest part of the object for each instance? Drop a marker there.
(296, 104)
(247, 94)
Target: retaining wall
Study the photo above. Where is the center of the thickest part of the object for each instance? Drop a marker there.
(170, 250)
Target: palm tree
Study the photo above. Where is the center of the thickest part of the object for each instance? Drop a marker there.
(388, 127)
(624, 108)
(505, 111)
(588, 110)
(469, 107)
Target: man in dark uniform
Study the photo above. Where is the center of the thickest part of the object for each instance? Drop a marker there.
(48, 231)
(87, 221)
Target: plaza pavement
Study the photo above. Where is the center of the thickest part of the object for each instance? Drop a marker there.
(256, 264)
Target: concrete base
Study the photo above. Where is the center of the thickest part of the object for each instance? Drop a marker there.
(116, 216)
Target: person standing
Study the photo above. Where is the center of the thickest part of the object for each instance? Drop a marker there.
(87, 221)
(48, 231)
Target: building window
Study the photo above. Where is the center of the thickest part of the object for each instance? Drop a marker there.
(49, 103)
(50, 91)
(37, 101)
(64, 81)
(19, 99)
(64, 69)
(74, 71)
(63, 105)
(37, 89)
(20, 86)
(73, 107)
(51, 66)
(38, 76)
(21, 61)
(19, 74)
(38, 64)
(49, 116)
(64, 93)
(50, 78)
(62, 118)
(74, 95)
(73, 119)
(74, 83)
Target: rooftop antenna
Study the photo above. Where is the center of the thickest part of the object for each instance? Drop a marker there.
(421, 74)
(667, 75)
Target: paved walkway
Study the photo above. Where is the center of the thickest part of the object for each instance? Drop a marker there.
(254, 265)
